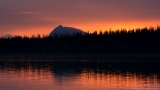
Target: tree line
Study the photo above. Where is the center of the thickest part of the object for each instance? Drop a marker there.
(140, 40)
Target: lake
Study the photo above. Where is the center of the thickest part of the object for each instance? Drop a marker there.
(78, 74)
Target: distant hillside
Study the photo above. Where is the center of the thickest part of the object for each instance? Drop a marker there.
(60, 30)
(7, 36)
(145, 40)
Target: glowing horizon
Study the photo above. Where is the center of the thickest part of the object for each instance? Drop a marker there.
(86, 29)
(41, 17)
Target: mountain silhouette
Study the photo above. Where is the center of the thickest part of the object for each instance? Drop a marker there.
(7, 36)
(60, 30)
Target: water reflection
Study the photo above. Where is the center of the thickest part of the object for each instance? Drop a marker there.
(77, 75)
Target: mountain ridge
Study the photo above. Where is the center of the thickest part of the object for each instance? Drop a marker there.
(61, 30)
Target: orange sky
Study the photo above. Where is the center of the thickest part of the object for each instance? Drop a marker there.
(32, 17)
(86, 27)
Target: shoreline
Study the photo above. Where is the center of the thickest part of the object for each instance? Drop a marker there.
(87, 55)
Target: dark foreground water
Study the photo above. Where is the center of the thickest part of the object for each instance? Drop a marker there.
(75, 74)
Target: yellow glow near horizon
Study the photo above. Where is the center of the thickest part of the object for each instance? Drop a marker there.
(91, 27)
(41, 16)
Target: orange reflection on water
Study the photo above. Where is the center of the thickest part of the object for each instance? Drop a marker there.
(116, 80)
(44, 78)
(25, 78)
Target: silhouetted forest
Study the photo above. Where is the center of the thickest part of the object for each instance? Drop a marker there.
(145, 40)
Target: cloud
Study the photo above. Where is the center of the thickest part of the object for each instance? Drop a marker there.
(36, 13)
(11, 19)
(108, 10)
(27, 12)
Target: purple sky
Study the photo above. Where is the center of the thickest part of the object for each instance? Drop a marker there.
(28, 17)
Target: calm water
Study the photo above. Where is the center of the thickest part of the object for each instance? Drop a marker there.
(67, 74)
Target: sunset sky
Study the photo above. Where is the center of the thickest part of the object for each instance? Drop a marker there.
(32, 17)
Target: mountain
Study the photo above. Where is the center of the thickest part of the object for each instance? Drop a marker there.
(60, 30)
(7, 36)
